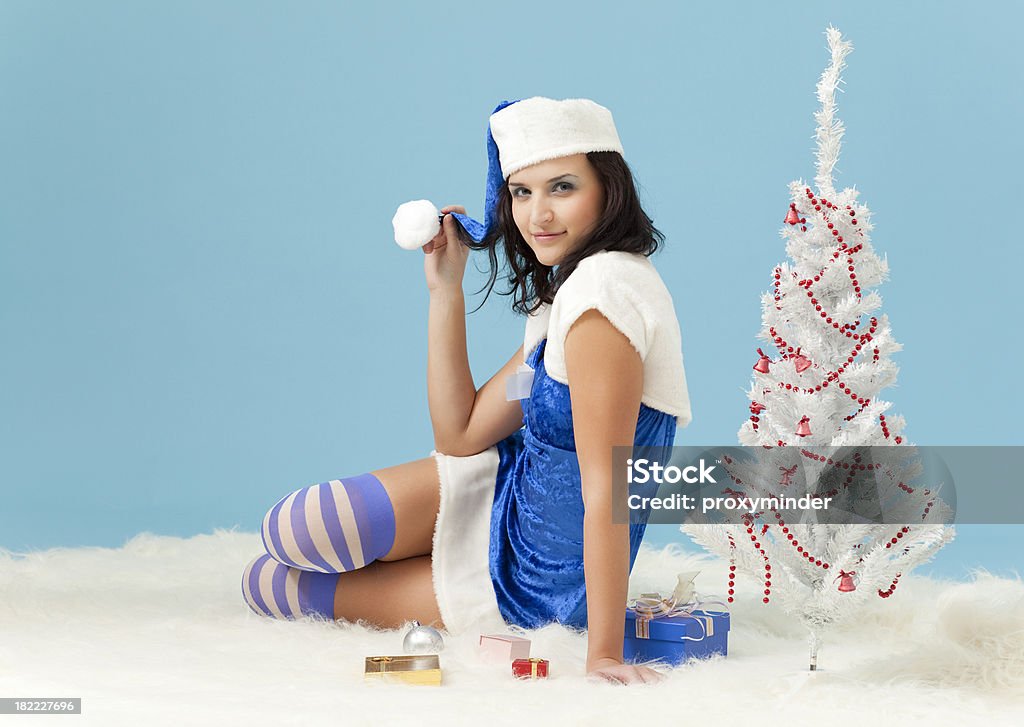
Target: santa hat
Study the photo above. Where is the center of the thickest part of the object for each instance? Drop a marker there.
(532, 130)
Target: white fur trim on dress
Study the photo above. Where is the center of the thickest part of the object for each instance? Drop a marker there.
(628, 291)
(461, 547)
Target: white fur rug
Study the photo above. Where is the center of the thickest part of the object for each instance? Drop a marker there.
(157, 632)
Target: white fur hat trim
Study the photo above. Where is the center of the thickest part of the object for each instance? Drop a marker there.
(537, 129)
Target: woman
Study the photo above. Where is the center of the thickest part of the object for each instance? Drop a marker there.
(510, 520)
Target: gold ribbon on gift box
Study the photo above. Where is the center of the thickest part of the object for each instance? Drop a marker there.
(533, 667)
(683, 601)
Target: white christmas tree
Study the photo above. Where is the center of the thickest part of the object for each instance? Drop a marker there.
(815, 407)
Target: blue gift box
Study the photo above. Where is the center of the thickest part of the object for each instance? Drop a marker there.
(665, 637)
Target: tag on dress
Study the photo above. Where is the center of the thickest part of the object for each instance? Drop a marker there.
(519, 384)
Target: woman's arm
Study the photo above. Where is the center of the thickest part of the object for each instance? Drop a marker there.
(464, 420)
(450, 388)
(492, 417)
(605, 384)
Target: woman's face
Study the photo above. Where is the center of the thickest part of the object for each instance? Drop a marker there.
(554, 204)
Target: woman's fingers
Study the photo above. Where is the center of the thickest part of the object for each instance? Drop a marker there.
(435, 246)
(437, 242)
(450, 233)
(629, 674)
(650, 676)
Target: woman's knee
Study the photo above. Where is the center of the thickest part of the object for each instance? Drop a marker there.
(414, 490)
(331, 527)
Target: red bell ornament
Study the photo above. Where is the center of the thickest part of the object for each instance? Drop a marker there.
(792, 218)
(762, 364)
(803, 428)
(846, 582)
(756, 408)
(801, 362)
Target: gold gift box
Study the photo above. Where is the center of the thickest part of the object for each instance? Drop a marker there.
(423, 669)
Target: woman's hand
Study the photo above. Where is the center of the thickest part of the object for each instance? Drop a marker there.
(615, 671)
(446, 255)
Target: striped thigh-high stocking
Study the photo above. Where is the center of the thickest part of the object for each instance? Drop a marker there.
(312, 536)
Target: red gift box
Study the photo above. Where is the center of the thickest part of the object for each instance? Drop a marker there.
(530, 668)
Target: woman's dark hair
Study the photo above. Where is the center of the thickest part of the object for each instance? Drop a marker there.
(622, 226)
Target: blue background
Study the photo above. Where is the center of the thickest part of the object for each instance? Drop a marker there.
(202, 307)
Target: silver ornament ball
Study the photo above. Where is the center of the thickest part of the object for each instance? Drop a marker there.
(422, 640)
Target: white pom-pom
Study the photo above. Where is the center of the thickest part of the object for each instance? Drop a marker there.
(416, 223)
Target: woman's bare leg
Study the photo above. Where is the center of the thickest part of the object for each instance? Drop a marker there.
(415, 493)
(413, 498)
(389, 594)
(399, 587)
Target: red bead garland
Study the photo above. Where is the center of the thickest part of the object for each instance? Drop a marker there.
(781, 344)
(889, 591)
(862, 406)
(899, 535)
(819, 203)
(832, 219)
(812, 560)
(749, 522)
(732, 567)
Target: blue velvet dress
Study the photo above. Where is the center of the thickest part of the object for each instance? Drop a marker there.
(536, 538)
